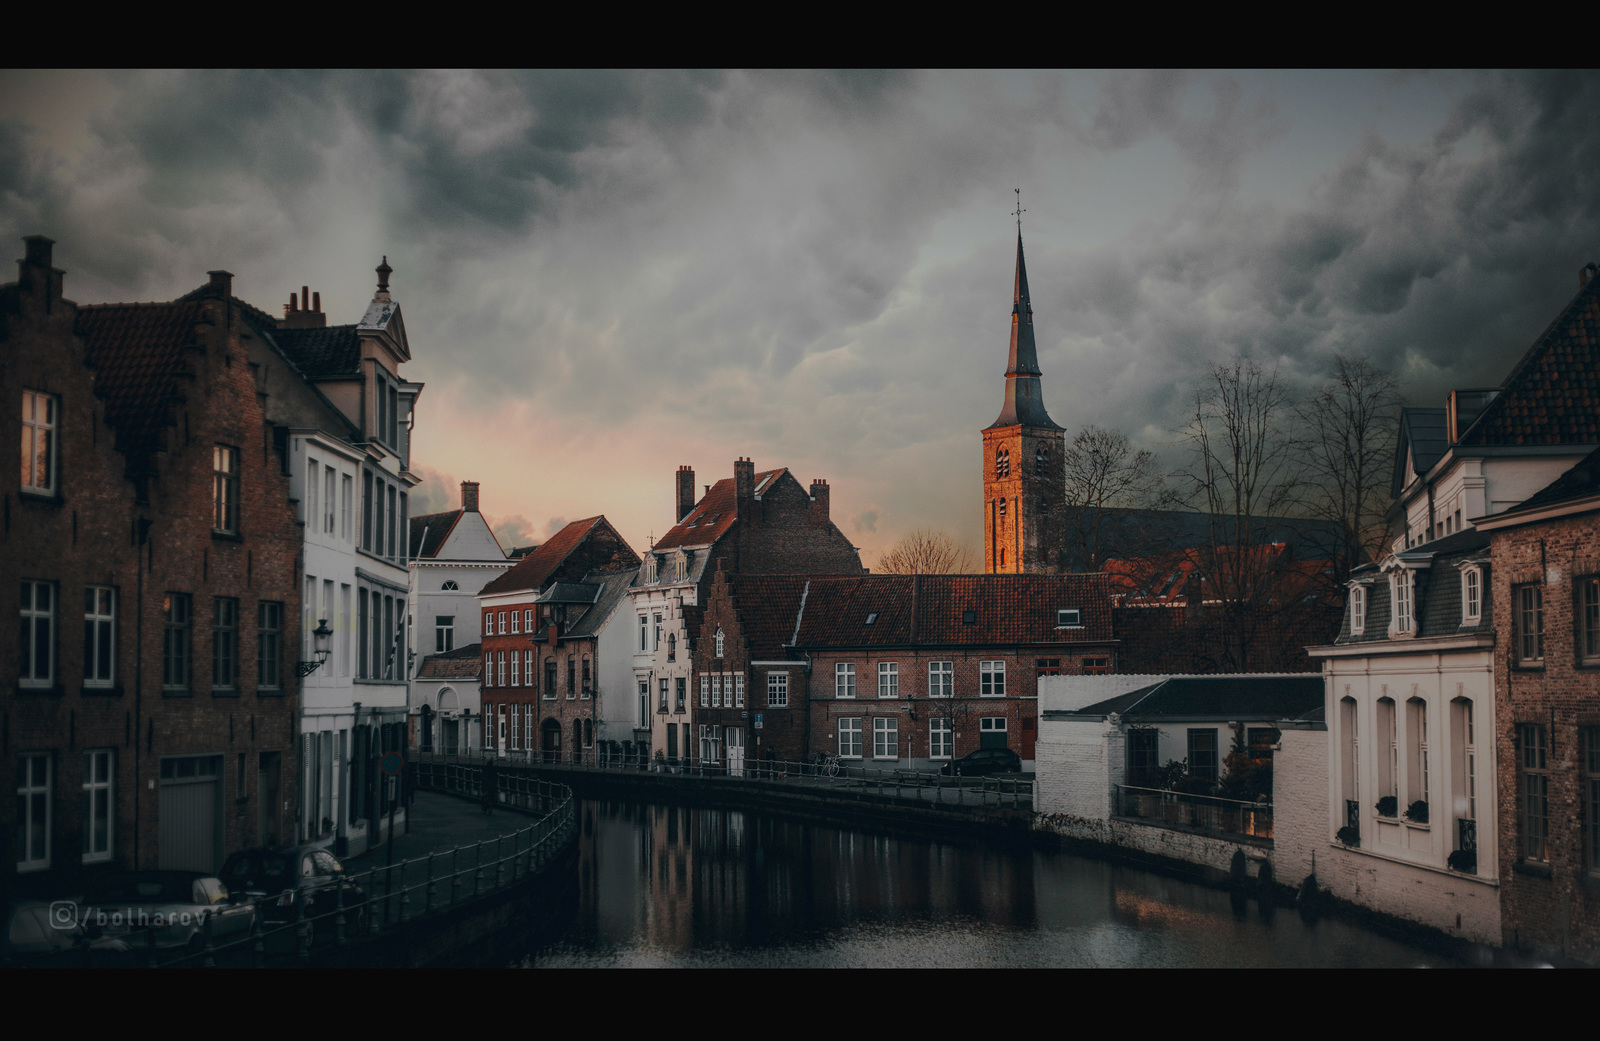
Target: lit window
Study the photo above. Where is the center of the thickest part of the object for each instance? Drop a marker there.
(225, 489)
(38, 642)
(38, 443)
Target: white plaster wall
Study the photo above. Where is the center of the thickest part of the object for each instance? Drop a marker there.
(1072, 768)
(1205, 851)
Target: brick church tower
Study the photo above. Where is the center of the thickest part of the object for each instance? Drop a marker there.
(1024, 483)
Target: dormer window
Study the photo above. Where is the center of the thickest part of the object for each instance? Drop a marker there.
(1358, 609)
(1471, 594)
(1402, 590)
(1069, 617)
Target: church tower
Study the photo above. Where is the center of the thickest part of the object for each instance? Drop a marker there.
(1024, 483)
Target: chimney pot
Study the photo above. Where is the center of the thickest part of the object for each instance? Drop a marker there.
(36, 252)
(294, 303)
(744, 479)
(683, 503)
(469, 496)
(222, 282)
(316, 302)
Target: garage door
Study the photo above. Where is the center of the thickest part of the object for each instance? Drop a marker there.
(189, 819)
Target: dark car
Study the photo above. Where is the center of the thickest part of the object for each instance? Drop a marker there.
(166, 909)
(41, 935)
(985, 761)
(284, 881)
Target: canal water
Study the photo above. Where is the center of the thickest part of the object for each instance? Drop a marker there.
(688, 887)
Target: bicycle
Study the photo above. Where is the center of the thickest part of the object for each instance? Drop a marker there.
(826, 764)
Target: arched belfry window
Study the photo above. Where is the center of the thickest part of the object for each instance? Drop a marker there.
(1041, 461)
(1002, 462)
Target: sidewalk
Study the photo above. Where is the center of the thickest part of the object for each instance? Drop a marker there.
(438, 823)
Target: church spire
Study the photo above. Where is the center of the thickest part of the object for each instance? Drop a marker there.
(1024, 402)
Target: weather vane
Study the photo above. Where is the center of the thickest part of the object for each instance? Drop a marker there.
(1020, 210)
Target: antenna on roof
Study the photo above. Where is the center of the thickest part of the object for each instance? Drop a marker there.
(1020, 211)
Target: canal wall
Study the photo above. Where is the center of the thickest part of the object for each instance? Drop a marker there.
(1187, 852)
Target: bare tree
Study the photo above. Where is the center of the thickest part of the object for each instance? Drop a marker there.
(926, 552)
(1346, 442)
(1104, 472)
(1244, 468)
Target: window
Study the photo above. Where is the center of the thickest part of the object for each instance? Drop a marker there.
(313, 514)
(444, 633)
(516, 620)
(1048, 666)
(346, 493)
(1400, 588)
(527, 620)
(672, 646)
(738, 691)
(549, 679)
(850, 739)
(1528, 611)
(1144, 756)
(488, 623)
(572, 678)
(1417, 757)
(716, 692)
(777, 690)
(99, 636)
(587, 687)
(1589, 620)
(97, 782)
(1068, 617)
(1533, 792)
(1096, 666)
(1002, 462)
(664, 693)
(503, 629)
(38, 643)
(500, 663)
(1350, 758)
(1471, 595)
(885, 737)
(1589, 771)
(940, 742)
(516, 670)
(1464, 769)
(449, 586)
(224, 644)
(844, 680)
(1041, 461)
(1203, 753)
(719, 639)
(941, 679)
(269, 645)
(705, 691)
(488, 669)
(33, 812)
(992, 732)
(682, 687)
(1358, 610)
(1389, 753)
(644, 633)
(516, 729)
(992, 679)
(656, 636)
(888, 679)
(175, 642)
(38, 443)
(225, 489)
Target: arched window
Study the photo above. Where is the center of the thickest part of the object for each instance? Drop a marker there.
(719, 642)
(1388, 760)
(1464, 767)
(1350, 756)
(672, 647)
(1002, 462)
(1041, 460)
(449, 585)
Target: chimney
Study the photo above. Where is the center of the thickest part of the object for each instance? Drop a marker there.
(35, 264)
(684, 493)
(221, 283)
(819, 501)
(744, 480)
(302, 313)
(1585, 273)
(469, 496)
(36, 252)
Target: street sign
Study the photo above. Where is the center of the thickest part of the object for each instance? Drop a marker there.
(392, 763)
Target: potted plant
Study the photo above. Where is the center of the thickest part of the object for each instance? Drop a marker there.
(1388, 806)
(1350, 835)
(1465, 860)
(1417, 812)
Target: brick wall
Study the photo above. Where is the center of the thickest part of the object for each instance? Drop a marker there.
(784, 533)
(1549, 905)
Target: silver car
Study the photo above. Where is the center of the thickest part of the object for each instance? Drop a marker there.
(166, 909)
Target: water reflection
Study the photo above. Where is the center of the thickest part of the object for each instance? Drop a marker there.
(681, 886)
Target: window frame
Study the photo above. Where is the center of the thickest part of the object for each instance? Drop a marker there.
(99, 803)
(1533, 793)
(38, 670)
(100, 638)
(224, 489)
(1586, 619)
(778, 689)
(177, 643)
(224, 645)
(844, 681)
(269, 646)
(885, 737)
(1194, 753)
(853, 747)
(444, 633)
(32, 794)
(888, 680)
(1589, 795)
(1358, 608)
(31, 427)
(941, 677)
(992, 678)
(1402, 593)
(1527, 619)
(941, 734)
(1069, 618)
(1471, 595)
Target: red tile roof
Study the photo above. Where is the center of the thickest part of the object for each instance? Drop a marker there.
(1552, 396)
(924, 610)
(713, 515)
(767, 606)
(461, 663)
(535, 570)
(137, 351)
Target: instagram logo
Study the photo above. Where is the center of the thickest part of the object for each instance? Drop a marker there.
(63, 915)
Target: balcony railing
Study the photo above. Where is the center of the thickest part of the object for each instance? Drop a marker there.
(1204, 812)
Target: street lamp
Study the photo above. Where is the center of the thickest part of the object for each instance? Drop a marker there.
(320, 636)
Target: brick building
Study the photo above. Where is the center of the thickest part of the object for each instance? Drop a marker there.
(154, 498)
(1024, 484)
(751, 524)
(546, 635)
(1546, 590)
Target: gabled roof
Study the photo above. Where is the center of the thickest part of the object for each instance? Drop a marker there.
(610, 589)
(320, 353)
(137, 351)
(713, 515)
(1422, 431)
(1580, 482)
(533, 571)
(1130, 533)
(1552, 395)
(1216, 697)
(932, 610)
(768, 606)
(436, 527)
(1436, 595)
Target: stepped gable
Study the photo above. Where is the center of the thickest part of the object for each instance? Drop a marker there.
(767, 606)
(137, 352)
(436, 527)
(713, 515)
(1552, 396)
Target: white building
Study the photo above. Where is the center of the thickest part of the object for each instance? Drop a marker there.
(453, 555)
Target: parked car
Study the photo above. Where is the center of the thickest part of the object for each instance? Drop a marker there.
(170, 907)
(985, 761)
(282, 880)
(41, 935)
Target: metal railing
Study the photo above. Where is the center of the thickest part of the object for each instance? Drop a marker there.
(865, 777)
(369, 904)
(1206, 812)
